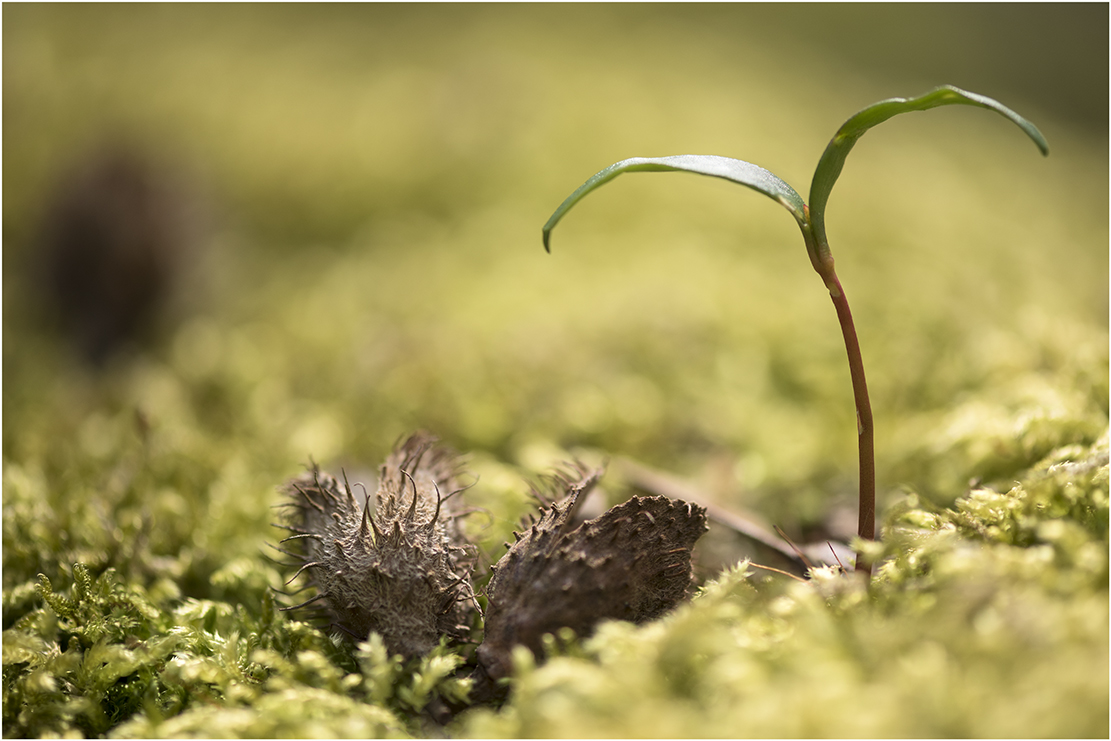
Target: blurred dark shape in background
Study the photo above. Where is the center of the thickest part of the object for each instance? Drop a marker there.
(119, 233)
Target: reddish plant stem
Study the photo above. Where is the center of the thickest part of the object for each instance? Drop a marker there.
(866, 527)
(822, 260)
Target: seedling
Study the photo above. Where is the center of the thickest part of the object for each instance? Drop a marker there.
(811, 220)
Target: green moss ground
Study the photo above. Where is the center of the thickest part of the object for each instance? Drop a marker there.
(376, 267)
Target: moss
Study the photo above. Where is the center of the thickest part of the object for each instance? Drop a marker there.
(988, 619)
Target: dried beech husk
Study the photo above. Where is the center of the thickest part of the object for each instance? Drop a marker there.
(632, 563)
(400, 568)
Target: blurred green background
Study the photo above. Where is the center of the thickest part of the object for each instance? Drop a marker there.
(369, 183)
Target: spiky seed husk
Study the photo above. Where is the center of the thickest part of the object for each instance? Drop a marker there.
(632, 563)
(400, 567)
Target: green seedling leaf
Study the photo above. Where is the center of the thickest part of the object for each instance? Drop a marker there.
(833, 159)
(738, 171)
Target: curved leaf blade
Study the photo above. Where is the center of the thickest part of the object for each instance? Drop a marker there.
(737, 171)
(833, 159)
